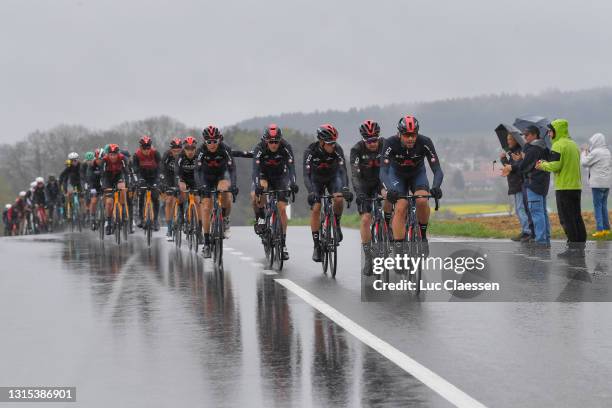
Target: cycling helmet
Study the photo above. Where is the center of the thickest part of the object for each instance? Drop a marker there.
(33, 184)
(8, 206)
(369, 129)
(272, 133)
(190, 141)
(40, 180)
(145, 141)
(22, 194)
(211, 132)
(113, 148)
(73, 156)
(408, 124)
(89, 156)
(51, 178)
(97, 153)
(327, 133)
(175, 143)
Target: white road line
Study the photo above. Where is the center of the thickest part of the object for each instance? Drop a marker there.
(272, 273)
(229, 249)
(438, 384)
(246, 258)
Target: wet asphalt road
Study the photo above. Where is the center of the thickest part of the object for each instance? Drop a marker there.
(132, 326)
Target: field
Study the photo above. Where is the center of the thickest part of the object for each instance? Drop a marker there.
(483, 227)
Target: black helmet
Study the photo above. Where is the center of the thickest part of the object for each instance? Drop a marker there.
(211, 132)
(369, 129)
(272, 133)
(327, 133)
(176, 143)
(408, 124)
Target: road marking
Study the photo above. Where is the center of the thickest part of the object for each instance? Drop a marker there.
(438, 384)
(270, 273)
(246, 258)
(229, 249)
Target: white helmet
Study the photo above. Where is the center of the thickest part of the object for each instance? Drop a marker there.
(73, 156)
(22, 194)
(33, 184)
(8, 206)
(40, 180)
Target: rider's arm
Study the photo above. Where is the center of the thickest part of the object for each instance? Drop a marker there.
(158, 160)
(256, 170)
(136, 164)
(231, 167)
(63, 178)
(342, 166)
(125, 170)
(290, 162)
(355, 172)
(308, 170)
(434, 163)
(385, 164)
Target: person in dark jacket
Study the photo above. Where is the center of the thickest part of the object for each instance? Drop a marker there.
(536, 183)
(511, 161)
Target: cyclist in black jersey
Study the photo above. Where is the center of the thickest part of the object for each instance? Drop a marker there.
(168, 182)
(216, 170)
(366, 158)
(273, 169)
(325, 172)
(403, 171)
(94, 178)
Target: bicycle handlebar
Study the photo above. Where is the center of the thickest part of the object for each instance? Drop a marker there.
(415, 196)
(276, 192)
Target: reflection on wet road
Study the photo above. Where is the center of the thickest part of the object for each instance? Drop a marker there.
(131, 326)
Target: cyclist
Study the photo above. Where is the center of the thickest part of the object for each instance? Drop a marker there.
(273, 168)
(366, 157)
(88, 158)
(39, 199)
(70, 178)
(325, 169)
(403, 169)
(184, 170)
(7, 219)
(53, 195)
(131, 184)
(146, 163)
(168, 182)
(113, 175)
(216, 170)
(19, 207)
(93, 177)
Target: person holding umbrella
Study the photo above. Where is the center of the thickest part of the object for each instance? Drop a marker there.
(596, 158)
(564, 163)
(536, 184)
(511, 158)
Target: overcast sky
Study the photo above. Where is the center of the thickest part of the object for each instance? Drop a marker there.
(98, 63)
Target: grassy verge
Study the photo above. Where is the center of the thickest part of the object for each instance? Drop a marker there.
(486, 227)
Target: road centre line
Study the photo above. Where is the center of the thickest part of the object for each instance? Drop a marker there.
(438, 384)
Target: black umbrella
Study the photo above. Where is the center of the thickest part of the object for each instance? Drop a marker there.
(502, 134)
(522, 122)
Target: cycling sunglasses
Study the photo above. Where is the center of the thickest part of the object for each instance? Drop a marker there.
(329, 143)
(273, 142)
(371, 140)
(411, 135)
(211, 141)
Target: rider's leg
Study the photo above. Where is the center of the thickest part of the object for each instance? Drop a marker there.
(365, 228)
(399, 219)
(141, 201)
(226, 198)
(155, 199)
(387, 207)
(206, 211)
(422, 211)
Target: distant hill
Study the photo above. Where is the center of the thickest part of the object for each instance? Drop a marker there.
(587, 110)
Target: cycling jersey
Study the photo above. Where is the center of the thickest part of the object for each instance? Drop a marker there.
(71, 174)
(94, 175)
(184, 169)
(53, 191)
(113, 172)
(167, 168)
(365, 167)
(215, 165)
(402, 165)
(268, 165)
(38, 196)
(147, 166)
(324, 170)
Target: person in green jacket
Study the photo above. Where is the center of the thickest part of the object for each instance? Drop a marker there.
(565, 165)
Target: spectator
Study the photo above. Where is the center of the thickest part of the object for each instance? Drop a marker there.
(596, 158)
(536, 183)
(515, 186)
(564, 163)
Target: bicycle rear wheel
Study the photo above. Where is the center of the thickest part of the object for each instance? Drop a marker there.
(323, 238)
(333, 247)
(194, 230)
(117, 226)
